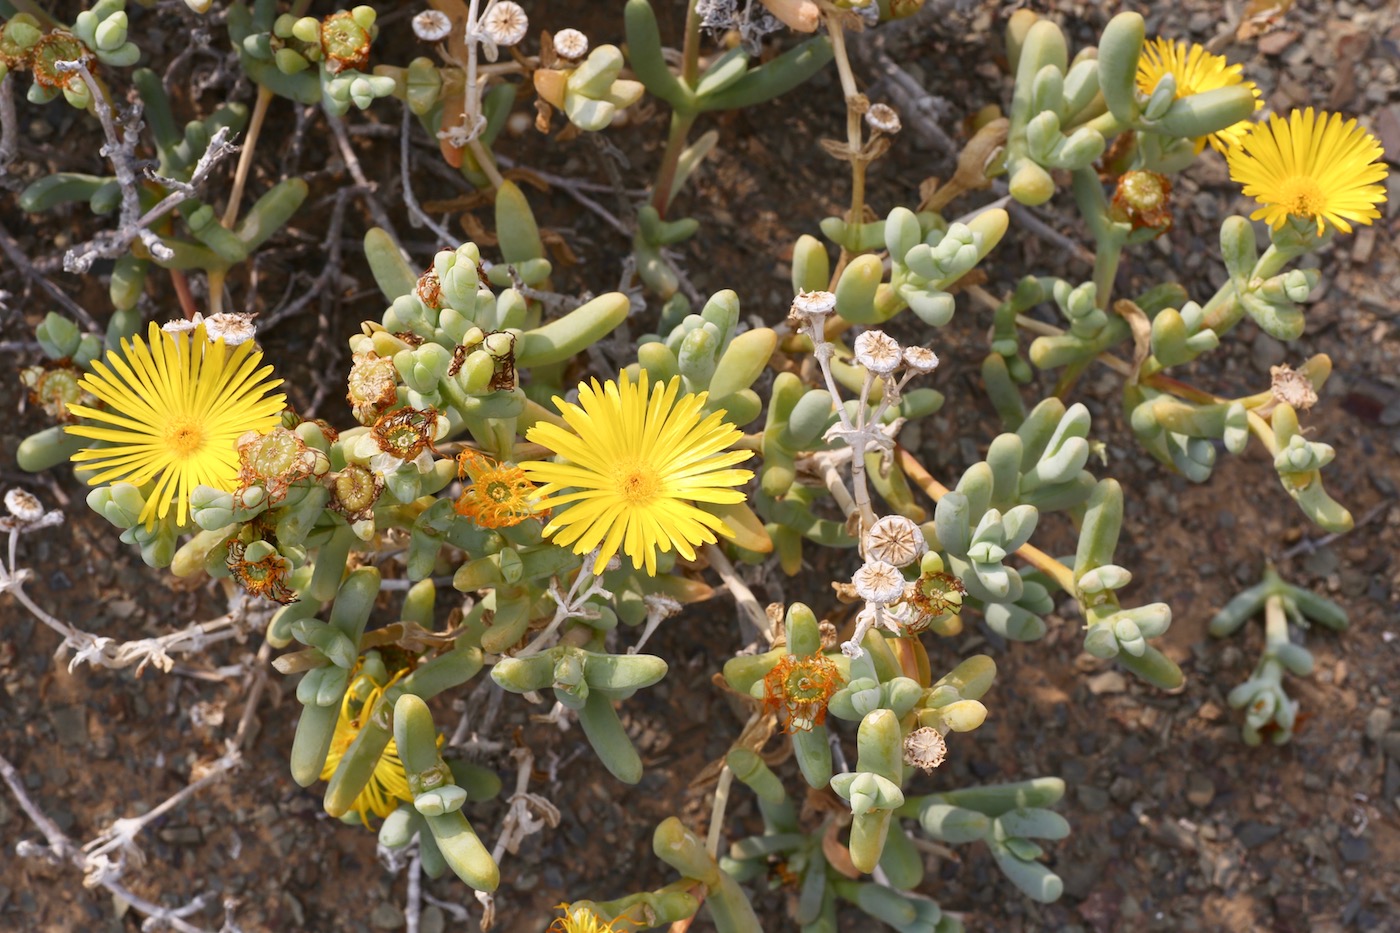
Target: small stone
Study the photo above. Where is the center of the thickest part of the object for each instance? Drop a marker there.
(1267, 352)
(1091, 798)
(433, 920)
(1353, 849)
(1107, 682)
(1210, 712)
(1253, 834)
(1321, 562)
(1378, 723)
(121, 608)
(1123, 789)
(70, 723)
(1276, 42)
(181, 835)
(386, 916)
(1390, 744)
(1200, 790)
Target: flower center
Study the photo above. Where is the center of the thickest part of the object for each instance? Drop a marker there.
(1302, 196)
(637, 483)
(184, 437)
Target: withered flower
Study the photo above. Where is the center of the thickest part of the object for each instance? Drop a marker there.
(405, 437)
(801, 687)
(344, 42)
(373, 386)
(53, 386)
(275, 461)
(1143, 200)
(499, 495)
(354, 491)
(925, 749)
(261, 570)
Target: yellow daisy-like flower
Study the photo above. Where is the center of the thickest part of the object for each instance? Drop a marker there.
(1195, 70)
(1319, 166)
(388, 784)
(174, 407)
(580, 919)
(633, 461)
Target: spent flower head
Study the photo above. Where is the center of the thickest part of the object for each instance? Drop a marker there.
(878, 581)
(878, 352)
(895, 540)
(261, 570)
(570, 44)
(275, 460)
(432, 25)
(405, 437)
(920, 359)
(505, 23)
(925, 748)
(373, 384)
(1143, 199)
(883, 119)
(54, 385)
(800, 687)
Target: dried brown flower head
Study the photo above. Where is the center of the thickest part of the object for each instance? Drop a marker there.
(53, 386)
(265, 574)
(925, 749)
(275, 461)
(800, 688)
(896, 540)
(373, 386)
(1291, 387)
(1143, 199)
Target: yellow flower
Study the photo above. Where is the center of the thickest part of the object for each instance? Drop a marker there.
(174, 407)
(579, 919)
(499, 496)
(1195, 70)
(1321, 167)
(636, 463)
(389, 783)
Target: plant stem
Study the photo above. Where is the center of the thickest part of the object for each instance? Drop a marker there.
(681, 122)
(854, 142)
(1032, 555)
(690, 51)
(245, 157)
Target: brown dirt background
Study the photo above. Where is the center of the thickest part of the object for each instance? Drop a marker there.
(1176, 824)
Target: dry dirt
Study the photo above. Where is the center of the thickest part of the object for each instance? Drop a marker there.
(1177, 825)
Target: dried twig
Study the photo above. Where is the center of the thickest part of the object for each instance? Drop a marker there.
(19, 261)
(60, 847)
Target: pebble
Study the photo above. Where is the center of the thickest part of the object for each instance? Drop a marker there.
(1200, 790)
(1108, 682)
(1252, 834)
(1353, 849)
(1092, 798)
(1266, 352)
(386, 916)
(432, 920)
(1390, 744)
(1123, 789)
(1378, 723)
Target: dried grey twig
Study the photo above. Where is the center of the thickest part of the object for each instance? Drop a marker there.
(96, 870)
(9, 135)
(99, 650)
